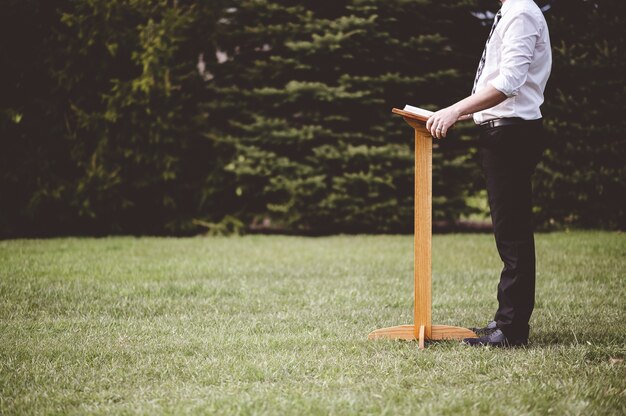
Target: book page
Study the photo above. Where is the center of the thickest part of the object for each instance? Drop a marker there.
(418, 111)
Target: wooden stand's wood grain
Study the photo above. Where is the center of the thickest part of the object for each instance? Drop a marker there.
(422, 329)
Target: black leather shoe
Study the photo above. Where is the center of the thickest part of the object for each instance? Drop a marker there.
(491, 326)
(495, 339)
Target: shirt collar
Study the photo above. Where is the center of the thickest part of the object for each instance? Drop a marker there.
(507, 5)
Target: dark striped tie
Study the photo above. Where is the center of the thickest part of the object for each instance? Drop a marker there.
(481, 65)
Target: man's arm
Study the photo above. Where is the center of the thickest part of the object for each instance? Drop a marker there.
(439, 123)
(519, 40)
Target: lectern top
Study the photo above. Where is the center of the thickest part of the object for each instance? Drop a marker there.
(409, 115)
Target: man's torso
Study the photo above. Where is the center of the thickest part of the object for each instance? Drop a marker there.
(509, 50)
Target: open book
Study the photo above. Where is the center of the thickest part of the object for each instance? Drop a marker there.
(417, 111)
(414, 113)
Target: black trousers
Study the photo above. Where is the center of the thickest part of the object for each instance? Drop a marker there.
(509, 155)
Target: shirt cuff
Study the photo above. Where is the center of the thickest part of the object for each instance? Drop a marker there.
(504, 87)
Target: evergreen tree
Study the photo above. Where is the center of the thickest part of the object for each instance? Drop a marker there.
(104, 134)
(582, 180)
(159, 116)
(305, 99)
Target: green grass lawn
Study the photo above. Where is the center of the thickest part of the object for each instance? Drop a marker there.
(278, 325)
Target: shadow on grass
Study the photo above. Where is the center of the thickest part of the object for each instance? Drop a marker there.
(609, 343)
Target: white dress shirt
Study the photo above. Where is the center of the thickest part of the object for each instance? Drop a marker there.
(518, 62)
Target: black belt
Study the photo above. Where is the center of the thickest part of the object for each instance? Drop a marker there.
(499, 122)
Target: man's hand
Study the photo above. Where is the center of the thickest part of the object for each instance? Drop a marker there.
(439, 123)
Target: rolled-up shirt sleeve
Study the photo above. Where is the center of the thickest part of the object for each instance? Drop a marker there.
(518, 47)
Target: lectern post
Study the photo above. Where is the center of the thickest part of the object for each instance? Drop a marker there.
(422, 328)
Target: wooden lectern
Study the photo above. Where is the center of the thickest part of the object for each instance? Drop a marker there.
(422, 329)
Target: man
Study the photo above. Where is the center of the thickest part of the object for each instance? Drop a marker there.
(508, 91)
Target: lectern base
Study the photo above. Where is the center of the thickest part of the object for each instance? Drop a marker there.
(409, 333)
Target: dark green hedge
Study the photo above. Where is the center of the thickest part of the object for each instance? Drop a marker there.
(170, 117)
